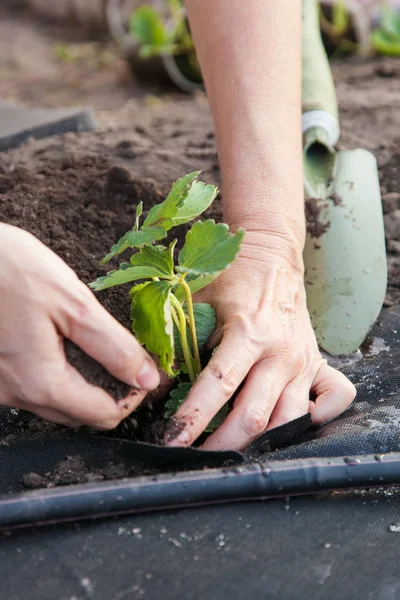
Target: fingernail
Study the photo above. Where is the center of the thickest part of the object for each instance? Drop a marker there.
(148, 377)
(182, 439)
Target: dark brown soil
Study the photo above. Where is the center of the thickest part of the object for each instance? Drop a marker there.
(78, 193)
(73, 470)
(315, 226)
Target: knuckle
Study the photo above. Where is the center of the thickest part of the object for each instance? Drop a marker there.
(250, 331)
(227, 380)
(79, 307)
(255, 420)
(199, 417)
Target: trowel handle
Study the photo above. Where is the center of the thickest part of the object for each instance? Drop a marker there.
(318, 90)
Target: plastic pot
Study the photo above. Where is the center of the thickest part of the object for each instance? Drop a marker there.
(182, 73)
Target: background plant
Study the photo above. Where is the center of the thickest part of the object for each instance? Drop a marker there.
(164, 317)
(147, 26)
(386, 38)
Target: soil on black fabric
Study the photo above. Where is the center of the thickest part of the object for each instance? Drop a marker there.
(78, 193)
(73, 470)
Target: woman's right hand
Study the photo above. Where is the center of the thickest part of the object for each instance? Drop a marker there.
(42, 301)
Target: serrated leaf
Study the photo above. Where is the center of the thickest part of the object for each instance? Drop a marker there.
(135, 239)
(147, 27)
(218, 419)
(196, 283)
(136, 289)
(200, 196)
(152, 321)
(114, 278)
(156, 257)
(125, 265)
(205, 318)
(209, 248)
(162, 214)
(178, 396)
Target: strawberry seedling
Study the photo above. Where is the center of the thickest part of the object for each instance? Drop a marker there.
(164, 317)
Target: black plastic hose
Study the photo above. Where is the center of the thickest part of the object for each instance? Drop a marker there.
(255, 481)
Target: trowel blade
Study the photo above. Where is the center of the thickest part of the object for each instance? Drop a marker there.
(345, 257)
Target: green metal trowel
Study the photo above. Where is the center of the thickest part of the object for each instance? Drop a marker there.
(345, 258)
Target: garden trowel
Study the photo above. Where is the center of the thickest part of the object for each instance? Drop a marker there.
(345, 259)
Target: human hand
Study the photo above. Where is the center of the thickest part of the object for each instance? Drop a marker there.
(264, 336)
(42, 301)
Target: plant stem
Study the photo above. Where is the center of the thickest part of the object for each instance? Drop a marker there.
(175, 317)
(192, 325)
(181, 317)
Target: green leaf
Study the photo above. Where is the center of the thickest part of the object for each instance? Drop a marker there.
(385, 43)
(205, 318)
(123, 276)
(162, 214)
(218, 419)
(152, 321)
(209, 248)
(178, 396)
(136, 289)
(135, 239)
(196, 283)
(147, 27)
(200, 196)
(156, 257)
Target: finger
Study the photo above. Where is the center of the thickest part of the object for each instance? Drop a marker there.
(252, 410)
(89, 405)
(334, 394)
(96, 332)
(292, 404)
(216, 384)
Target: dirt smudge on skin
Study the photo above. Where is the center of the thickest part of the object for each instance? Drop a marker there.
(173, 429)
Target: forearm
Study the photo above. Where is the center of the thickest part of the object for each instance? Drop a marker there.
(250, 56)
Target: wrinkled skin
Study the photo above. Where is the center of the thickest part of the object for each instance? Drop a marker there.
(41, 302)
(264, 335)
